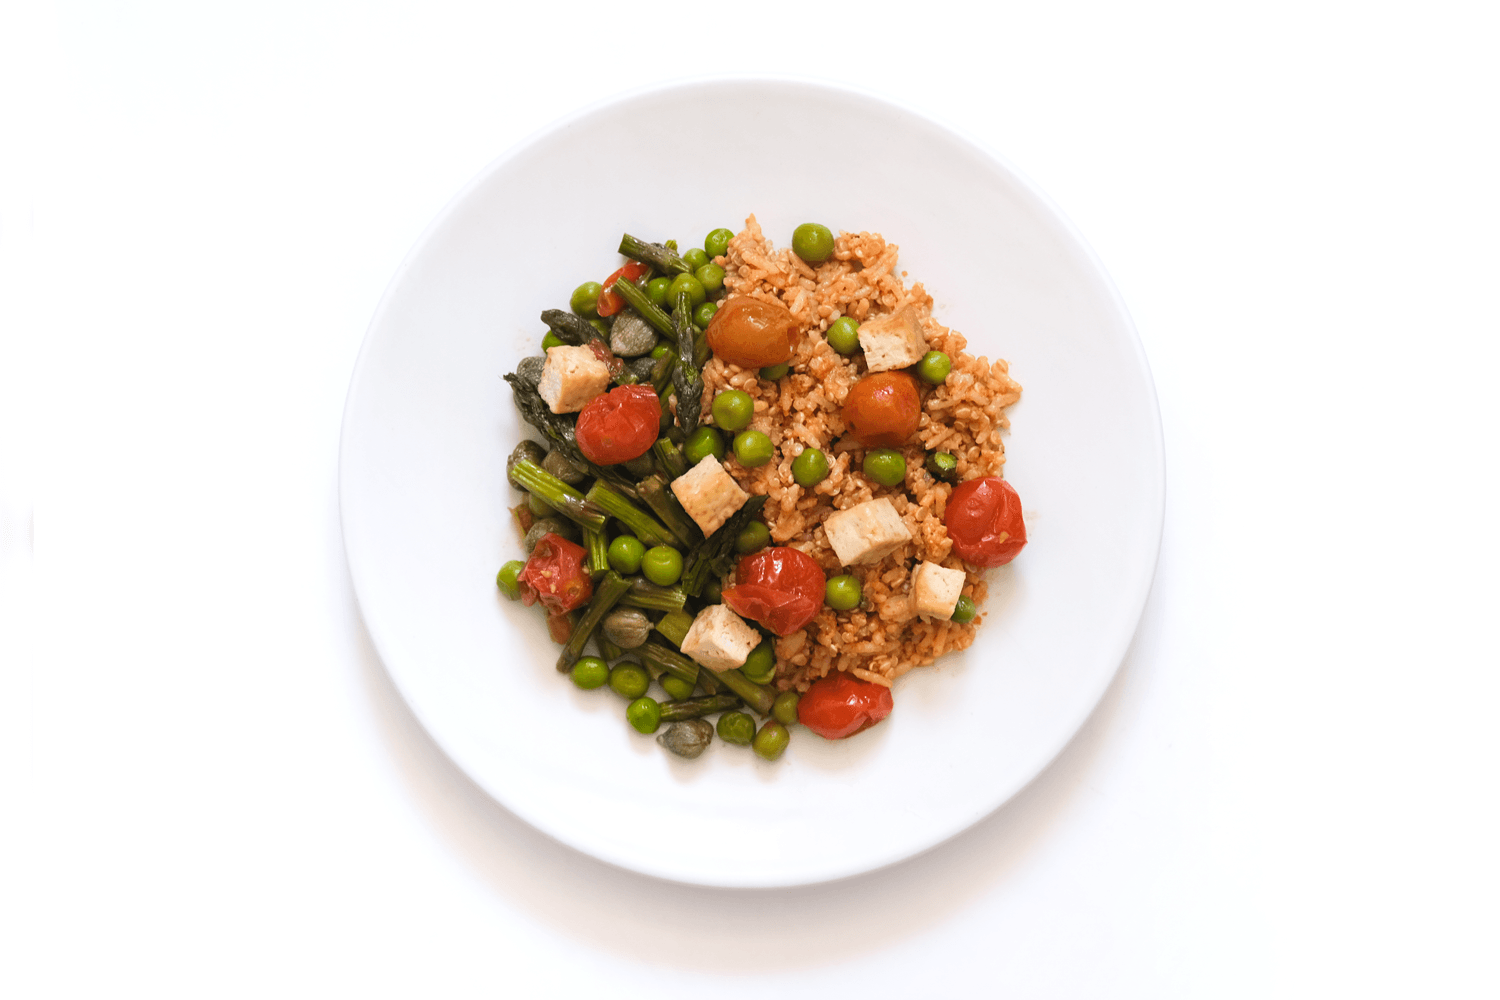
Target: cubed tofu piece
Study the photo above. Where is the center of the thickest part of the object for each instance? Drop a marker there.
(935, 591)
(571, 378)
(719, 639)
(893, 341)
(866, 532)
(709, 494)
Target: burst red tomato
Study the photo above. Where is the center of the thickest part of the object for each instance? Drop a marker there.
(611, 301)
(555, 571)
(883, 410)
(619, 425)
(752, 333)
(839, 706)
(779, 587)
(984, 520)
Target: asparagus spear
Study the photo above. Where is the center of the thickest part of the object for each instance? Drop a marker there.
(570, 327)
(669, 457)
(697, 708)
(598, 549)
(684, 668)
(645, 594)
(687, 380)
(643, 525)
(608, 594)
(559, 429)
(661, 371)
(674, 625)
(567, 501)
(712, 557)
(663, 258)
(658, 496)
(755, 695)
(636, 299)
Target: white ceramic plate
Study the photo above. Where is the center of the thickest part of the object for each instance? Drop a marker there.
(429, 422)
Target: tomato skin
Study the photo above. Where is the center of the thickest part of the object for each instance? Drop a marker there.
(883, 410)
(752, 333)
(780, 587)
(611, 301)
(838, 706)
(619, 425)
(555, 571)
(984, 521)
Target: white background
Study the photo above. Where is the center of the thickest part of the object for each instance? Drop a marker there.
(208, 786)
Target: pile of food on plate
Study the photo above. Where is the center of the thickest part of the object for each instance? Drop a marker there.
(771, 485)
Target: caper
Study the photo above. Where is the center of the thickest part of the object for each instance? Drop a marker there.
(564, 468)
(530, 451)
(627, 628)
(543, 525)
(687, 739)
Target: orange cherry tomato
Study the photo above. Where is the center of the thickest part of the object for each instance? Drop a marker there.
(883, 410)
(781, 587)
(555, 571)
(611, 301)
(752, 333)
(838, 706)
(619, 425)
(983, 518)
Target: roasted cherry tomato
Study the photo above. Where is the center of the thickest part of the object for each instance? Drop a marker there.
(984, 520)
(611, 301)
(752, 333)
(882, 410)
(839, 705)
(780, 587)
(555, 571)
(619, 425)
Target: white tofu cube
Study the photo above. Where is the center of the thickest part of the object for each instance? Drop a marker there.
(709, 494)
(571, 378)
(934, 590)
(893, 341)
(866, 532)
(719, 639)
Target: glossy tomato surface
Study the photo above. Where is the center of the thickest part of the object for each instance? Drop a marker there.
(752, 333)
(611, 301)
(984, 520)
(838, 706)
(555, 571)
(779, 587)
(619, 425)
(882, 410)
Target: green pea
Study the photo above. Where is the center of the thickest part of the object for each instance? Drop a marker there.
(585, 300)
(934, 367)
(656, 290)
(842, 592)
(784, 709)
(964, 612)
(509, 579)
(752, 538)
(771, 741)
(942, 465)
(691, 285)
(552, 340)
(676, 688)
(662, 565)
(661, 350)
(885, 466)
(775, 372)
(644, 714)
(717, 242)
(539, 507)
(711, 277)
(713, 592)
(752, 449)
(703, 442)
(629, 680)
(760, 665)
(812, 242)
(625, 554)
(602, 327)
(704, 315)
(737, 728)
(732, 409)
(843, 335)
(590, 672)
(694, 258)
(810, 468)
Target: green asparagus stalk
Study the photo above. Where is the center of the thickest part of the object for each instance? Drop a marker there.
(669, 457)
(559, 428)
(697, 708)
(661, 371)
(658, 496)
(568, 501)
(645, 594)
(570, 328)
(684, 668)
(663, 258)
(712, 557)
(642, 525)
(687, 379)
(606, 596)
(598, 549)
(674, 625)
(755, 695)
(636, 299)
(608, 650)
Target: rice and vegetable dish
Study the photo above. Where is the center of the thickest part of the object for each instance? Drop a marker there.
(772, 484)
